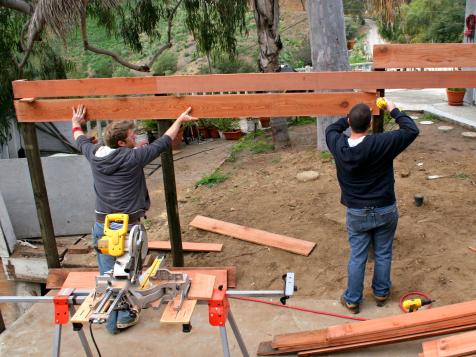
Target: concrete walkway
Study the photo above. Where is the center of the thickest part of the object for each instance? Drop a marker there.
(32, 334)
(433, 101)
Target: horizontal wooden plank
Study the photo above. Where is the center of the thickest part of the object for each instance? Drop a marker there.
(188, 246)
(230, 273)
(424, 55)
(209, 106)
(201, 287)
(458, 345)
(183, 316)
(57, 276)
(251, 82)
(371, 328)
(252, 235)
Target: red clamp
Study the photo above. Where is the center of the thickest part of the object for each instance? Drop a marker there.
(61, 309)
(218, 307)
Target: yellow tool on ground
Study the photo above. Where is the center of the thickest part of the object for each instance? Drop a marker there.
(144, 282)
(381, 103)
(112, 243)
(412, 305)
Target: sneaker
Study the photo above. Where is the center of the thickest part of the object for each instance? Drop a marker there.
(381, 300)
(353, 308)
(126, 319)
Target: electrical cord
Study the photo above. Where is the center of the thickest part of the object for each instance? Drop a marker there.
(92, 338)
(300, 308)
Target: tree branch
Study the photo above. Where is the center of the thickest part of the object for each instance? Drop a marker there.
(113, 55)
(33, 36)
(18, 5)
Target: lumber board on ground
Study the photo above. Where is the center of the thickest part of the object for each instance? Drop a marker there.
(183, 316)
(241, 82)
(458, 345)
(265, 348)
(252, 235)
(57, 276)
(188, 246)
(204, 106)
(87, 280)
(230, 273)
(377, 327)
(201, 287)
(424, 55)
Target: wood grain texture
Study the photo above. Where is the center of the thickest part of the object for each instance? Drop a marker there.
(204, 106)
(427, 55)
(201, 287)
(230, 273)
(252, 235)
(87, 280)
(387, 327)
(188, 246)
(458, 345)
(81, 278)
(183, 316)
(250, 82)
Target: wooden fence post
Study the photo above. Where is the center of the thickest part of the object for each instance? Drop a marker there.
(40, 195)
(170, 191)
(378, 120)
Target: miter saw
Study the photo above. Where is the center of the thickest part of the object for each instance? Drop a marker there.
(126, 287)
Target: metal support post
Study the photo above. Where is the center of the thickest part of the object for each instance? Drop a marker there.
(224, 341)
(57, 341)
(82, 336)
(237, 334)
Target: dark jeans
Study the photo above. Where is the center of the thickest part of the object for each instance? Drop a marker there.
(365, 227)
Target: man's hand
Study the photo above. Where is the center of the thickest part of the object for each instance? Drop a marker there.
(184, 117)
(79, 116)
(390, 105)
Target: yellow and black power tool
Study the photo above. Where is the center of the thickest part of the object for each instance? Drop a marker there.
(113, 241)
(413, 305)
(381, 103)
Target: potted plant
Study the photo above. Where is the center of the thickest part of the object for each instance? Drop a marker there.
(229, 127)
(455, 95)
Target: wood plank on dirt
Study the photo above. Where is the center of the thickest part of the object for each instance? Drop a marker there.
(241, 82)
(188, 246)
(252, 235)
(458, 345)
(424, 55)
(183, 316)
(204, 106)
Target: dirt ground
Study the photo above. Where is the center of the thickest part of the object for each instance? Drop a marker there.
(431, 249)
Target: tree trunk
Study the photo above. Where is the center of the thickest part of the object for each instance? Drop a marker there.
(267, 24)
(328, 48)
(470, 95)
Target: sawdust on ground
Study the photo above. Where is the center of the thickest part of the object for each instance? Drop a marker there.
(431, 249)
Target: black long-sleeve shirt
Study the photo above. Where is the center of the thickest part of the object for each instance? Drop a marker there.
(365, 171)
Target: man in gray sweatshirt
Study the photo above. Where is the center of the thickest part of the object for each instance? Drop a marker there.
(119, 180)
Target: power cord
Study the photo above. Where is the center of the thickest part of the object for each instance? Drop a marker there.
(92, 338)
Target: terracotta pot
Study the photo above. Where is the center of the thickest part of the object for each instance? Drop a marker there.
(232, 135)
(265, 121)
(455, 97)
(213, 133)
(177, 142)
(350, 44)
(203, 132)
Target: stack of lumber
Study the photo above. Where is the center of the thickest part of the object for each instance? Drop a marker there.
(424, 323)
(458, 345)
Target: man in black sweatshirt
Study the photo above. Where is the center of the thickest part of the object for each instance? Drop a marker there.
(119, 180)
(365, 173)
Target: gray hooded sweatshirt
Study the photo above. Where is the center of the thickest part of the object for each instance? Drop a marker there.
(119, 180)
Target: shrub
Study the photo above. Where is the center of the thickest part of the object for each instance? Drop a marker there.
(166, 64)
(212, 179)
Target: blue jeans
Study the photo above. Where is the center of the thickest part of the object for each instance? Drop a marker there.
(105, 264)
(365, 227)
